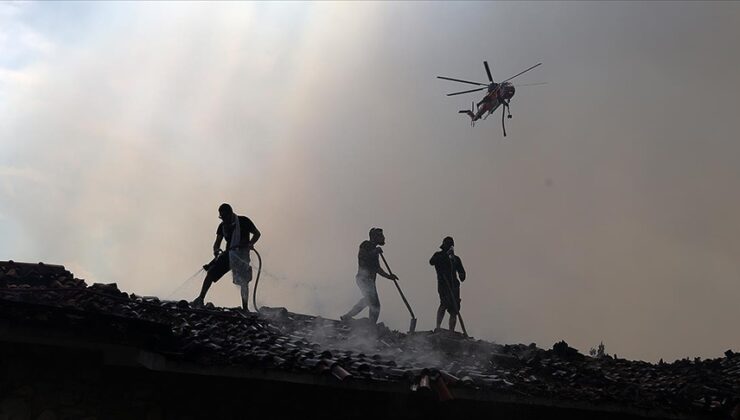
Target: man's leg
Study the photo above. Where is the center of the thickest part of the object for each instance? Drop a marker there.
(207, 282)
(359, 306)
(453, 321)
(361, 282)
(219, 268)
(241, 271)
(374, 302)
(440, 315)
(456, 308)
(374, 313)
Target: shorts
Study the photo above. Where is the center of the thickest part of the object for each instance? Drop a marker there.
(219, 267)
(241, 268)
(445, 300)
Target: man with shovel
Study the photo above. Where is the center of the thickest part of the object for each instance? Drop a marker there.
(368, 267)
(448, 266)
(236, 230)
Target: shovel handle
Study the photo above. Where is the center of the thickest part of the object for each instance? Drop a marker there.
(452, 298)
(406, 302)
(398, 287)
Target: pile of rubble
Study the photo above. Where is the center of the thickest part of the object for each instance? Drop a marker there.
(561, 373)
(438, 362)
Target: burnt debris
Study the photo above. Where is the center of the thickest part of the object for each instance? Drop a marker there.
(441, 364)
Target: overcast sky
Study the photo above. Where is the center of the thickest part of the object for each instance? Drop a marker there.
(611, 211)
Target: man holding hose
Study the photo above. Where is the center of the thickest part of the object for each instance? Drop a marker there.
(236, 230)
(368, 267)
(448, 267)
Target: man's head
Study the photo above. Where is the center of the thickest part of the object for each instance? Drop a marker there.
(225, 212)
(376, 236)
(447, 243)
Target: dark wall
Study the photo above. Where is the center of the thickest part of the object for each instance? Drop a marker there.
(43, 382)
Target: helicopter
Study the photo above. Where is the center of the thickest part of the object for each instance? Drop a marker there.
(498, 94)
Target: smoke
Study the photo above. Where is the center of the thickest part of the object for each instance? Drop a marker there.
(609, 213)
(365, 338)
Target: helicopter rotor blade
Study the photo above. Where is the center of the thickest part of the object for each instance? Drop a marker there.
(461, 81)
(488, 71)
(465, 91)
(521, 73)
(531, 84)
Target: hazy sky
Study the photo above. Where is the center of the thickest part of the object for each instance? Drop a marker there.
(611, 212)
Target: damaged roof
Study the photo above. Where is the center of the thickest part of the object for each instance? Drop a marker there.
(443, 364)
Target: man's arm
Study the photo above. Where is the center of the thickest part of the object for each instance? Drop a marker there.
(380, 270)
(386, 275)
(251, 228)
(217, 244)
(460, 269)
(255, 236)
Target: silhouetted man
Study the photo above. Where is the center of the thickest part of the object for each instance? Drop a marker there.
(236, 230)
(368, 266)
(448, 267)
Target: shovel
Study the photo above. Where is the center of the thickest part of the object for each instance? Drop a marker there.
(412, 325)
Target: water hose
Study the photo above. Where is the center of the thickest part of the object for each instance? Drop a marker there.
(207, 266)
(256, 280)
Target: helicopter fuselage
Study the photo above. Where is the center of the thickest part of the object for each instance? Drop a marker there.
(498, 93)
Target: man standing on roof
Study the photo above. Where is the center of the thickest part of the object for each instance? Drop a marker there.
(448, 267)
(368, 267)
(236, 230)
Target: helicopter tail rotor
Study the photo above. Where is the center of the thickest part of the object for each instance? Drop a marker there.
(469, 113)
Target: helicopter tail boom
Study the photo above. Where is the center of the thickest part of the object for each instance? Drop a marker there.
(469, 113)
